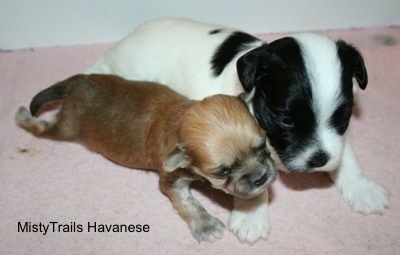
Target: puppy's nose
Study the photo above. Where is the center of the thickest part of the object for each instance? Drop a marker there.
(259, 182)
(319, 159)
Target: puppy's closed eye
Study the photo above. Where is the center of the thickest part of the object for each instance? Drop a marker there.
(223, 171)
(287, 122)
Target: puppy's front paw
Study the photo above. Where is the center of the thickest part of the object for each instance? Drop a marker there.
(249, 226)
(366, 196)
(207, 228)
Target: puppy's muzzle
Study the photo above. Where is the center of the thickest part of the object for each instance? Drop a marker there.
(255, 182)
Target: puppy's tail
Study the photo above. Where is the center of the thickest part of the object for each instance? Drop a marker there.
(55, 92)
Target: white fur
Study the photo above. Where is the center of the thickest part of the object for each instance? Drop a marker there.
(323, 68)
(365, 196)
(174, 52)
(249, 219)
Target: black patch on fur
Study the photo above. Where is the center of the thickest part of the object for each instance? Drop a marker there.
(341, 117)
(352, 63)
(232, 45)
(352, 66)
(215, 31)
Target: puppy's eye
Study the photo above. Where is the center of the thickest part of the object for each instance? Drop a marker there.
(287, 121)
(223, 171)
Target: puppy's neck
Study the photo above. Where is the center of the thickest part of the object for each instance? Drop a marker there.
(162, 137)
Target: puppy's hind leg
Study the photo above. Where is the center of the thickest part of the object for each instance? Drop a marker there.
(25, 120)
(56, 129)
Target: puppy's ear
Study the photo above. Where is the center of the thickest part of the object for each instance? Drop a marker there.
(252, 67)
(352, 59)
(176, 159)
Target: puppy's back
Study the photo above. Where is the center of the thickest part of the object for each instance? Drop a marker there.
(124, 119)
(108, 114)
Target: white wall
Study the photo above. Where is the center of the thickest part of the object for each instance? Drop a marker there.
(41, 23)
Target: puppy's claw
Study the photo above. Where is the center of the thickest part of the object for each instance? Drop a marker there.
(207, 228)
(250, 226)
(366, 196)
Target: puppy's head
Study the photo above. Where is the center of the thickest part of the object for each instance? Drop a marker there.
(221, 141)
(303, 97)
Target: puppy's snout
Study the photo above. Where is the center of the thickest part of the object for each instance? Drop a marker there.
(261, 181)
(319, 159)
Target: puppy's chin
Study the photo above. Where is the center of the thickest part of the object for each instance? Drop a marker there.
(327, 168)
(243, 193)
(251, 194)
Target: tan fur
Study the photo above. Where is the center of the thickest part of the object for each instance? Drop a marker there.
(233, 132)
(148, 126)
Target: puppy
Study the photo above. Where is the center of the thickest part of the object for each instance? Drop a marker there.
(302, 89)
(148, 126)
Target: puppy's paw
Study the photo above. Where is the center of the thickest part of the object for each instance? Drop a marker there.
(249, 226)
(23, 117)
(25, 120)
(366, 196)
(207, 228)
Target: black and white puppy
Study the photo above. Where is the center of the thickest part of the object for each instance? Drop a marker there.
(301, 89)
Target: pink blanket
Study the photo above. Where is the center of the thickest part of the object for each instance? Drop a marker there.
(77, 194)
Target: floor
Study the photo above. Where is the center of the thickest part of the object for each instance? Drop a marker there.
(43, 181)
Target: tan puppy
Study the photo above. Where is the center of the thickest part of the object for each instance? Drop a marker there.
(148, 126)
